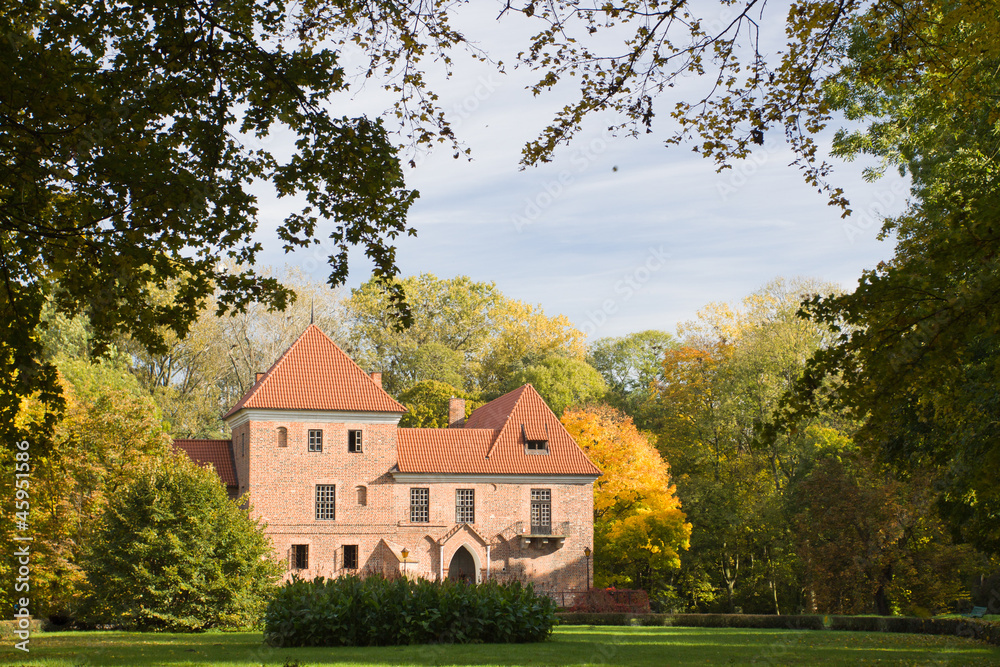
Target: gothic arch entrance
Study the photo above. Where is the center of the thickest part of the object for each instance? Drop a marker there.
(463, 566)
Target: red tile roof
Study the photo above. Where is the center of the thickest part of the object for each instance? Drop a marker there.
(217, 452)
(315, 374)
(492, 442)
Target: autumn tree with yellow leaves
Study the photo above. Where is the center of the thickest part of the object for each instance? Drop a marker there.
(639, 528)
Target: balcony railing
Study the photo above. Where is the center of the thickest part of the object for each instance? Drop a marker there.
(540, 535)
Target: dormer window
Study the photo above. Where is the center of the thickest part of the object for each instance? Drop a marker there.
(536, 439)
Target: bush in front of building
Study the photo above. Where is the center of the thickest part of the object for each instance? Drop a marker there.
(172, 552)
(379, 611)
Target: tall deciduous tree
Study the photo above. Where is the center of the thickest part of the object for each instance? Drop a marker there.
(130, 134)
(463, 333)
(562, 382)
(639, 528)
(718, 393)
(108, 430)
(631, 365)
(918, 352)
(427, 404)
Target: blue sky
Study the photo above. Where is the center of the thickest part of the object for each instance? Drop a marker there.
(619, 234)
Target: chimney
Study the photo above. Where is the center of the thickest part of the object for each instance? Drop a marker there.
(377, 377)
(259, 376)
(456, 411)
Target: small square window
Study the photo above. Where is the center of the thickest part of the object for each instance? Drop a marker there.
(315, 440)
(420, 505)
(350, 556)
(326, 501)
(354, 442)
(465, 506)
(300, 557)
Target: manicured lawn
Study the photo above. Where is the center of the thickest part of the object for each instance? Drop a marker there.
(571, 645)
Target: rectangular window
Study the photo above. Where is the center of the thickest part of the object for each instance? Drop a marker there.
(538, 445)
(350, 556)
(541, 511)
(315, 440)
(354, 442)
(420, 504)
(465, 506)
(300, 557)
(325, 501)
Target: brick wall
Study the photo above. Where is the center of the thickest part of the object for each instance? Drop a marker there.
(282, 485)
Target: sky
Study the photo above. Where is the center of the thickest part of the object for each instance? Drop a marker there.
(619, 234)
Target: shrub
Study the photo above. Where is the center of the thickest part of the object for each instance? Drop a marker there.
(173, 552)
(960, 627)
(375, 611)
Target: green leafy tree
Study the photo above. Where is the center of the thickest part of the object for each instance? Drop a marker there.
(427, 404)
(451, 324)
(107, 430)
(464, 333)
(871, 543)
(562, 382)
(522, 335)
(131, 134)
(173, 552)
(717, 394)
(918, 350)
(631, 366)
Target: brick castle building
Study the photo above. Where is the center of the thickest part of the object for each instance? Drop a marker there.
(316, 444)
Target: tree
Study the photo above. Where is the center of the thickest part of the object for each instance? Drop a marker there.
(107, 431)
(626, 55)
(427, 404)
(464, 333)
(451, 323)
(562, 382)
(196, 379)
(173, 552)
(523, 335)
(918, 347)
(639, 528)
(718, 395)
(631, 365)
(130, 136)
(869, 542)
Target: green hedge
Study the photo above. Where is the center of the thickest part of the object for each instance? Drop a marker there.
(960, 627)
(695, 620)
(374, 611)
(986, 631)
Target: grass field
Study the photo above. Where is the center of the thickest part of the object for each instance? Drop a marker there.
(570, 645)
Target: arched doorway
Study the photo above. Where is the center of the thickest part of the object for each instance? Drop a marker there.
(463, 566)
